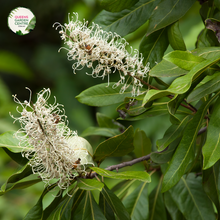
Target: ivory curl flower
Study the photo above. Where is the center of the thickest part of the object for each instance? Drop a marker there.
(53, 150)
(104, 52)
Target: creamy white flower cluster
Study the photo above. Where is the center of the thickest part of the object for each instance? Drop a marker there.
(104, 52)
(54, 151)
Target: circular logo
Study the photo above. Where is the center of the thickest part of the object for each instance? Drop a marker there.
(21, 20)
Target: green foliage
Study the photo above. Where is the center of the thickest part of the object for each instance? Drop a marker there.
(174, 175)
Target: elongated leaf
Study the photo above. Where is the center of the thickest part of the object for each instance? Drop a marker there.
(206, 52)
(105, 207)
(115, 204)
(116, 6)
(141, 143)
(137, 203)
(172, 133)
(138, 175)
(103, 95)
(211, 149)
(153, 47)
(184, 153)
(166, 69)
(172, 207)
(181, 84)
(183, 59)
(89, 184)
(205, 89)
(167, 12)
(106, 132)
(117, 146)
(128, 20)
(157, 207)
(36, 212)
(210, 184)
(175, 37)
(191, 199)
(88, 209)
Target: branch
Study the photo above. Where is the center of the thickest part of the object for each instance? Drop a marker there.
(137, 160)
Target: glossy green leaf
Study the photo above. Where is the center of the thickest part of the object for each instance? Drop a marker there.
(206, 52)
(115, 204)
(175, 37)
(210, 184)
(36, 212)
(142, 144)
(166, 69)
(167, 12)
(172, 133)
(166, 155)
(88, 209)
(11, 182)
(137, 203)
(181, 84)
(156, 205)
(138, 175)
(209, 87)
(106, 132)
(183, 59)
(17, 157)
(184, 153)
(9, 141)
(115, 6)
(211, 149)
(172, 208)
(103, 95)
(154, 46)
(106, 208)
(18, 68)
(191, 199)
(116, 146)
(89, 184)
(128, 20)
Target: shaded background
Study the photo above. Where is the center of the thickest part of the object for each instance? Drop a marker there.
(33, 61)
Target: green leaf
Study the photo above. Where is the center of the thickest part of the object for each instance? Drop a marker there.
(210, 184)
(206, 38)
(138, 175)
(181, 84)
(206, 52)
(11, 63)
(137, 203)
(211, 149)
(166, 69)
(205, 89)
(115, 204)
(88, 209)
(105, 207)
(166, 155)
(17, 157)
(31, 24)
(183, 59)
(89, 184)
(157, 207)
(172, 133)
(115, 6)
(175, 37)
(167, 12)
(128, 20)
(141, 143)
(154, 46)
(191, 199)
(116, 146)
(36, 212)
(184, 153)
(106, 132)
(103, 95)
(172, 207)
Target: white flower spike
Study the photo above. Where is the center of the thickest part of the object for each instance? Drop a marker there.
(53, 150)
(90, 46)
